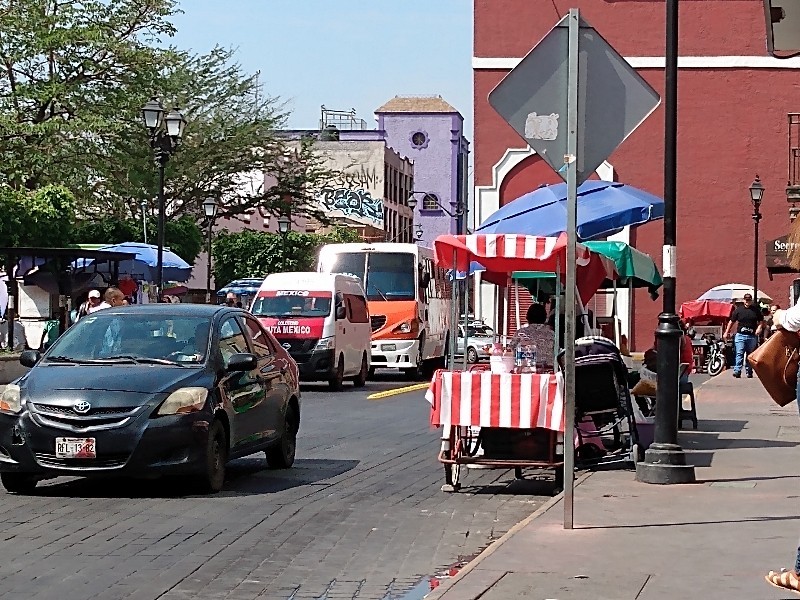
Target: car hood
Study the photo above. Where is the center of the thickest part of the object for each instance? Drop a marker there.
(127, 383)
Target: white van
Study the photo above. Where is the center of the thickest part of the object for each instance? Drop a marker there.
(322, 320)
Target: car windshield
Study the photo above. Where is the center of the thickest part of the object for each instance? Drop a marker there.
(478, 331)
(109, 337)
(292, 306)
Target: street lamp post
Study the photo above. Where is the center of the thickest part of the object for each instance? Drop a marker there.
(165, 135)
(143, 205)
(284, 226)
(210, 210)
(665, 460)
(756, 194)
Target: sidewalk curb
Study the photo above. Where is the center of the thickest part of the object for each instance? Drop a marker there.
(492, 548)
(401, 390)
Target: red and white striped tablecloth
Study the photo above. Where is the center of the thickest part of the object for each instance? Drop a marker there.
(486, 399)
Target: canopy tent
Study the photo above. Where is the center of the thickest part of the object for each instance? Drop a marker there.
(604, 208)
(503, 255)
(733, 292)
(705, 309)
(143, 264)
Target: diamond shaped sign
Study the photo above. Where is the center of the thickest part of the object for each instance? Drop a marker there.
(613, 99)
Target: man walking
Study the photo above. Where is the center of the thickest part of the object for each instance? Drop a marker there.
(750, 322)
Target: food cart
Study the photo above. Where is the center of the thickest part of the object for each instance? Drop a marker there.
(501, 419)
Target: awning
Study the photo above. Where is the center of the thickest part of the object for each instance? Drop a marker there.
(777, 252)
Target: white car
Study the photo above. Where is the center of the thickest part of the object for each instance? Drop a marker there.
(478, 337)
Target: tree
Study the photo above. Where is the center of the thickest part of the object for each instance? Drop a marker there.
(73, 77)
(257, 254)
(36, 218)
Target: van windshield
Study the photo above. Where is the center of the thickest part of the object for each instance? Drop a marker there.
(292, 306)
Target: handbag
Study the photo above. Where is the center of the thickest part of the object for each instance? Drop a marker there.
(775, 363)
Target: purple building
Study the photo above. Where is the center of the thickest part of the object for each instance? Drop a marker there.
(430, 132)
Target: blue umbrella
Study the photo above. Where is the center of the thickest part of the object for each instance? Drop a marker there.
(144, 262)
(604, 208)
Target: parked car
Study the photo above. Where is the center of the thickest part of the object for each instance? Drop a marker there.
(478, 337)
(153, 389)
(322, 319)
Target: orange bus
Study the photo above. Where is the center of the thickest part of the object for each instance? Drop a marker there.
(408, 298)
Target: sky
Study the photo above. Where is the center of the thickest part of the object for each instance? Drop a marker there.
(344, 54)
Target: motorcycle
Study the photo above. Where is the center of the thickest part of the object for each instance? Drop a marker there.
(715, 359)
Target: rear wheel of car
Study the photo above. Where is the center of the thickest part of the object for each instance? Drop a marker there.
(18, 483)
(281, 456)
(213, 475)
(472, 356)
(337, 380)
(360, 380)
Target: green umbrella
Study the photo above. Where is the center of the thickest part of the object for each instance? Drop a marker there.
(630, 263)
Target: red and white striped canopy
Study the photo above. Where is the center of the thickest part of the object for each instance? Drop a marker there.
(503, 254)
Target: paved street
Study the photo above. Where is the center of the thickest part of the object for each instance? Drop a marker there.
(360, 515)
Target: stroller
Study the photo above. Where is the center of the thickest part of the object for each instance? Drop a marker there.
(604, 418)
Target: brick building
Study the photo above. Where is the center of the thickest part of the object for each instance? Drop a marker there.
(734, 102)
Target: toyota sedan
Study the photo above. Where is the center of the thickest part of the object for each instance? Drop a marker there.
(149, 390)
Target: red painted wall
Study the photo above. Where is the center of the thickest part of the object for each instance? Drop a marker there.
(732, 126)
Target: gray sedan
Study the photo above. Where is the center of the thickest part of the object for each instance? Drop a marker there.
(478, 337)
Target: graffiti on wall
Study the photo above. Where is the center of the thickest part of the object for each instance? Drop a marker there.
(358, 205)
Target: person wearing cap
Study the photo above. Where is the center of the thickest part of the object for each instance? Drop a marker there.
(91, 304)
(749, 322)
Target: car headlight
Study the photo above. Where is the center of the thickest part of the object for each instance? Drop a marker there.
(9, 400)
(183, 401)
(325, 344)
(407, 327)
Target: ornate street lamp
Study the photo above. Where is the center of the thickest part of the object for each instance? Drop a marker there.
(165, 135)
(284, 226)
(210, 210)
(756, 194)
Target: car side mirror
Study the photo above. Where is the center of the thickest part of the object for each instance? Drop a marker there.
(340, 313)
(244, 361)
(29, 358)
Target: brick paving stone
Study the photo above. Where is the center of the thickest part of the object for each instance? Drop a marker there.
(362, 507)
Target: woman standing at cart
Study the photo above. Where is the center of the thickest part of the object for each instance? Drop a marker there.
(539, 333)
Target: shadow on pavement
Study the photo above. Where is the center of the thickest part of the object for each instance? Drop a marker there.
(720, 522)
(721, 425)
(247, 476)
(382, 381)
(532, 485)
(702, 440)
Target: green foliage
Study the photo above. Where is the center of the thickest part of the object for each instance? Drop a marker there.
(182, 235)
(73, 77)
(39, 218)
(257, 254)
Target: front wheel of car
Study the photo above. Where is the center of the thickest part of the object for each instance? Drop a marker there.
(216, 455)
(18, 483)
(281, 455)
(335, 382)
(472, 356)
(360, 380)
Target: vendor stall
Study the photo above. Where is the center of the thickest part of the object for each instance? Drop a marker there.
(707, 320)
(507, 419)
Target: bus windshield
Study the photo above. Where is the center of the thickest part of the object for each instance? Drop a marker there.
(388, 276)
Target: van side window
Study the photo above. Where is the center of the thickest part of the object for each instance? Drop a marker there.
(357, 309)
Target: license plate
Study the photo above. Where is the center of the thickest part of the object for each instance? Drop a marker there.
(388, 347)
(75, 448)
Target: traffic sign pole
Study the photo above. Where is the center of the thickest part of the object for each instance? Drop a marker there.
(571, 164)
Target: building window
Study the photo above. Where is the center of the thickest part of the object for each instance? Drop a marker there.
(419, 140)
(430, 202)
